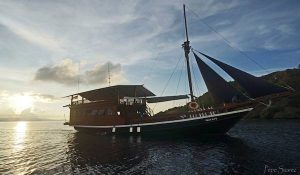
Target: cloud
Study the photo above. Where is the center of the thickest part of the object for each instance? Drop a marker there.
(212, 7)
(99, 74)
(67, 73)
(31, 35)
(248, 27)
(44, 98)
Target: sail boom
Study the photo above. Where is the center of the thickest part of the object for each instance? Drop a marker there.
(166, 98)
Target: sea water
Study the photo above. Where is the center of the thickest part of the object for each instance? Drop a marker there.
(251, 147)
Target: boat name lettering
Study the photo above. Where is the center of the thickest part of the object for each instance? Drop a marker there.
(211, 119)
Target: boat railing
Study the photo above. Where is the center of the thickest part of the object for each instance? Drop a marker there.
(131, 101)
(202, 112)
(193, 113)
(125, 103)
(79, 102)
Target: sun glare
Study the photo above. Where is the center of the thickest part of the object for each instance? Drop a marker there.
(21, 127)
(21, 102)
(20, 133)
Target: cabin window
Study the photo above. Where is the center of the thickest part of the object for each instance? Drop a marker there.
(81, 113)
(76, 113)
(101, 112)
(94, 112)
(73, 113)
(88, 112)
(109, 111)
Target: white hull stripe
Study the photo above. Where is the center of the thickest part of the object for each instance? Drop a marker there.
(164, 122)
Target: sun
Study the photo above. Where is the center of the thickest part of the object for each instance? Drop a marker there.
(21, 102)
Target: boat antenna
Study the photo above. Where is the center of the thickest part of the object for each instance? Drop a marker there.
(78, 80)
(186, 47)
(108, 70)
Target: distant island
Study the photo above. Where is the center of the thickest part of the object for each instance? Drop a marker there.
(16, 119)
(284, 108)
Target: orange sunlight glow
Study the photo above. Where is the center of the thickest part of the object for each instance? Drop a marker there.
(20, 102)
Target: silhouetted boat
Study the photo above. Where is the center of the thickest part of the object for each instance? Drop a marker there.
(123, 109)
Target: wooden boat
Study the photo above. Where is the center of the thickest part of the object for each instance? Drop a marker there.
(123, 109)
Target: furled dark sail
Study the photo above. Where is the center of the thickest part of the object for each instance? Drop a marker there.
(255, 86)
(166, 98)
(220, 90)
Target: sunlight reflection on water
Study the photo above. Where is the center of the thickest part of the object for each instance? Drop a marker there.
(20, 133)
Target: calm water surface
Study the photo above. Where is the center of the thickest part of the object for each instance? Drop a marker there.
(51, 148)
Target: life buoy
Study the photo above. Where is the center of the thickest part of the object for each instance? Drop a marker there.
(193, 105)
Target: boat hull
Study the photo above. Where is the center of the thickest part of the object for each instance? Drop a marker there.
(209, 125)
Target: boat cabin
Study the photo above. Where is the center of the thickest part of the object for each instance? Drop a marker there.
(114, 105)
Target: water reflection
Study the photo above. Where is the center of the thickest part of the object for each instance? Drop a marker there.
(52, 148)
(136, 154)
(20, 133)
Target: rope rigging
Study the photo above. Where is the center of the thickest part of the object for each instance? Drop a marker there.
(239, 51)
(227, 41)
(185, 81)
(182, 68)
(152, 67)
(166, 85)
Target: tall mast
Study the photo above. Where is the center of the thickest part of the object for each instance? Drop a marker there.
(186, 47)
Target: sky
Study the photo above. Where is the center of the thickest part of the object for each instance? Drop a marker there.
(51, 48)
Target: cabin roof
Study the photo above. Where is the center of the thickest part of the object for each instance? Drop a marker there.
(116, 92)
